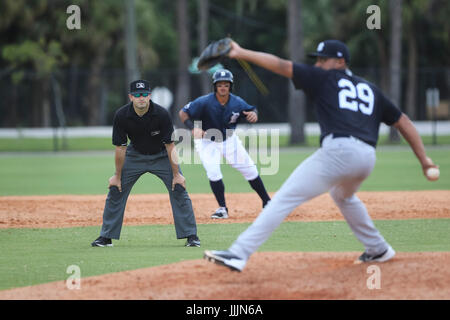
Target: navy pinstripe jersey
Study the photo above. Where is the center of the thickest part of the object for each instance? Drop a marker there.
(215, 116)
(345, 104)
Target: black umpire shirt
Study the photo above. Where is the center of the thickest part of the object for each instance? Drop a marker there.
(148, 133)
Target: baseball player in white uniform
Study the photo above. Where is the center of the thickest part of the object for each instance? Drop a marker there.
(219, 113)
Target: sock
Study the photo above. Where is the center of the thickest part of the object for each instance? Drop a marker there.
(218, 188)
(258, 186)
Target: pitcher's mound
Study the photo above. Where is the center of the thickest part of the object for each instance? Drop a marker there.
(269, 276)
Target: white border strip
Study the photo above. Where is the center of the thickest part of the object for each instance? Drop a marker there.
(424, 127)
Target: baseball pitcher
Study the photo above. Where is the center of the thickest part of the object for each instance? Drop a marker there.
(349, 110)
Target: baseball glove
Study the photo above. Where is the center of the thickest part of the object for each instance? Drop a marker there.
(214, 53)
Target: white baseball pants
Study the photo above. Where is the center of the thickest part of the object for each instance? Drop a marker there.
(211, 153)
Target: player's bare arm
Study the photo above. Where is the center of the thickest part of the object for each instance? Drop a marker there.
(183, 115)
(197, 133)
(173, 159)
(409, 132)
(119, 160)
(265, 60)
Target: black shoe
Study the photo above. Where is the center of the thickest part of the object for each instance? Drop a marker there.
(102, 242)
(193, 241)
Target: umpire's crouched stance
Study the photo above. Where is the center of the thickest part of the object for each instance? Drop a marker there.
(151, 149)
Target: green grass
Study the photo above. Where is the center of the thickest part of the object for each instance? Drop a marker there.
(33, 256)
(49, 144)
(59, 173)
(89, 144)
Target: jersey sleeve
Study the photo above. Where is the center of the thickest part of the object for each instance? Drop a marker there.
(166, 128)
(245, 106)
(307, 78)
(119, 135)
(194, 109)
(390, 113)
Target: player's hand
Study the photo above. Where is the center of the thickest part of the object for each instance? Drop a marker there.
(427, 165)
(178, 179)
(115, 181)
(251, 116)
(198, 133)
(235, 49)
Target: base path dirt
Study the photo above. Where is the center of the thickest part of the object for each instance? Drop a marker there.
(87, 210)
(268, 275)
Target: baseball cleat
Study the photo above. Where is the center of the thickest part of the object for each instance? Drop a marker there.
(226, 259)
(192, 241)
(382, 257)
(221, 213)
(102, 242)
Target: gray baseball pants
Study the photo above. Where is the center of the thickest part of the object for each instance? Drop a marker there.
(338, 167)
(136, 164)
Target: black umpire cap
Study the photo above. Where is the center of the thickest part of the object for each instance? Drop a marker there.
(140, 86)
(332, 49)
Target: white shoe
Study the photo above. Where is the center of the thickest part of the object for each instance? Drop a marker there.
(221, 213)
(225, 258)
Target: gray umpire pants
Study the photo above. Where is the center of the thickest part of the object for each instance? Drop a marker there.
(136, 164)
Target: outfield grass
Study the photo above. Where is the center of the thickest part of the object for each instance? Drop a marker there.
(89, 144)
(33, 256)
(88, 174)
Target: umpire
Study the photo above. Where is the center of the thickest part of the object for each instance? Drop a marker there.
(151, 149)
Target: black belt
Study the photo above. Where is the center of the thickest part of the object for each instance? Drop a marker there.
(343, 135)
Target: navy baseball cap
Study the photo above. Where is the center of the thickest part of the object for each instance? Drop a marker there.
(140, 86)
(332, 49)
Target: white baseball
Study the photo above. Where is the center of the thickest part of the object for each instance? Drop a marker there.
(433, 173)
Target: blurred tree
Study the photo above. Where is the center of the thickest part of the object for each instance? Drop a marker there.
(412, 20)
(182, 95)
(202, 31)
(156, 34)
(38, 52)
(131, 63)
(395, 65)
(89, 63)
(101, 27)
(297, 98)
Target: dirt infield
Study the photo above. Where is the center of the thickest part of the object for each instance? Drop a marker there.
(268, 275)
(73, 211)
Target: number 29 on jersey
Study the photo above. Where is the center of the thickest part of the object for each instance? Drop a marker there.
(349, 93)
